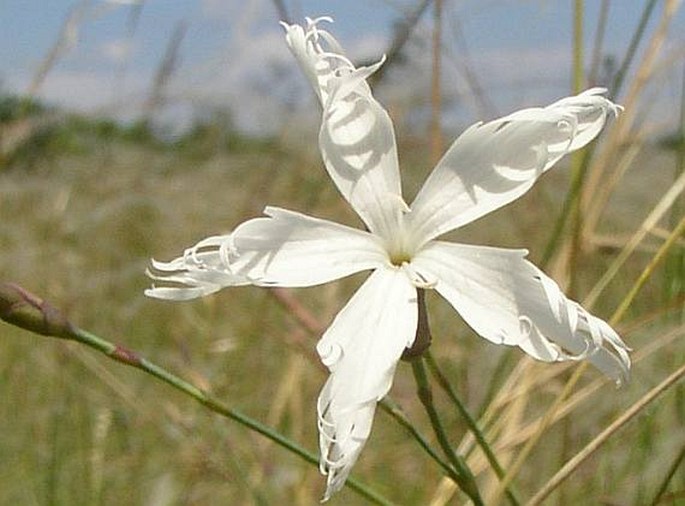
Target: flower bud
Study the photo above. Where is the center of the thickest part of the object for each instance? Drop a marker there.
(22, 308)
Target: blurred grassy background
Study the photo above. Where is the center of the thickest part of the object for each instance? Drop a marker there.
(84, 204)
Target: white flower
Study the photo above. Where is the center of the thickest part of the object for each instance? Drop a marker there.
(502, 296)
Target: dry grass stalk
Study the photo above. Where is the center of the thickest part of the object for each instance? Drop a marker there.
(619, 135)
(650, 222)
(601, 438)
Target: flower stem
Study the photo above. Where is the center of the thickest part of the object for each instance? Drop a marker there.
(423, 338)
(578, 165)
(648, 270)
(464, 476)
(472, 425)
(128, 357)
(395, 411)
(573, 193)
(668, 477)
(25, 310)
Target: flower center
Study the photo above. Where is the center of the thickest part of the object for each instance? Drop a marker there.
(399, 250)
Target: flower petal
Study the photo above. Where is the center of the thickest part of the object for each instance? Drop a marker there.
(201, 270)
(285, 249)
(293, 249)
(357, 143)
(508, 300)
(356, 138)
(492, 164)
(361, 348)
(317, 63)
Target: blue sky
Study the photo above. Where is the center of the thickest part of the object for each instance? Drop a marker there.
(520, 49)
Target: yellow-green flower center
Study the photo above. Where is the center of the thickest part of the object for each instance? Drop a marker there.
(400, 250)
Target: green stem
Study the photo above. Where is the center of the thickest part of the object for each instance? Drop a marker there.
(578, 178)
(130, 358)
(567, 207)
(578, 14)
(578, 166)
(472, 425)
(648, 270)
(620, 76)
(465, 478)
(496, 380)
(674, 271)
(393, 409)
(667, 478)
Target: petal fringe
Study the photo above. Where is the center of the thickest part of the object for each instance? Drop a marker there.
(508, 300)
(491, 164)
(361, 348)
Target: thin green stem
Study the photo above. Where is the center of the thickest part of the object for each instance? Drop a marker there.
(578, 165)
(579, 170)
(598, 42)
(649, 269)
(472, 424)
(501, 368)
(394, 410)
(668, 477)
(566, 211)
(620, 76)
(130, 358)
(465, 478)
(576, 184)
(674, 271)
(578, 74)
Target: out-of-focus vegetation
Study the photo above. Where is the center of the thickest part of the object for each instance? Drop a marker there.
(31, 132)
(84, 209)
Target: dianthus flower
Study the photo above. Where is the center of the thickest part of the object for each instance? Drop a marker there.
(499, 294)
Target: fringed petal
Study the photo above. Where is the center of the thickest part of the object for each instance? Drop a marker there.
(508, 300)
(356, 138)
(361, 348)
(202, 270)
(291, 249)
(492, 164)
(284, 249)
